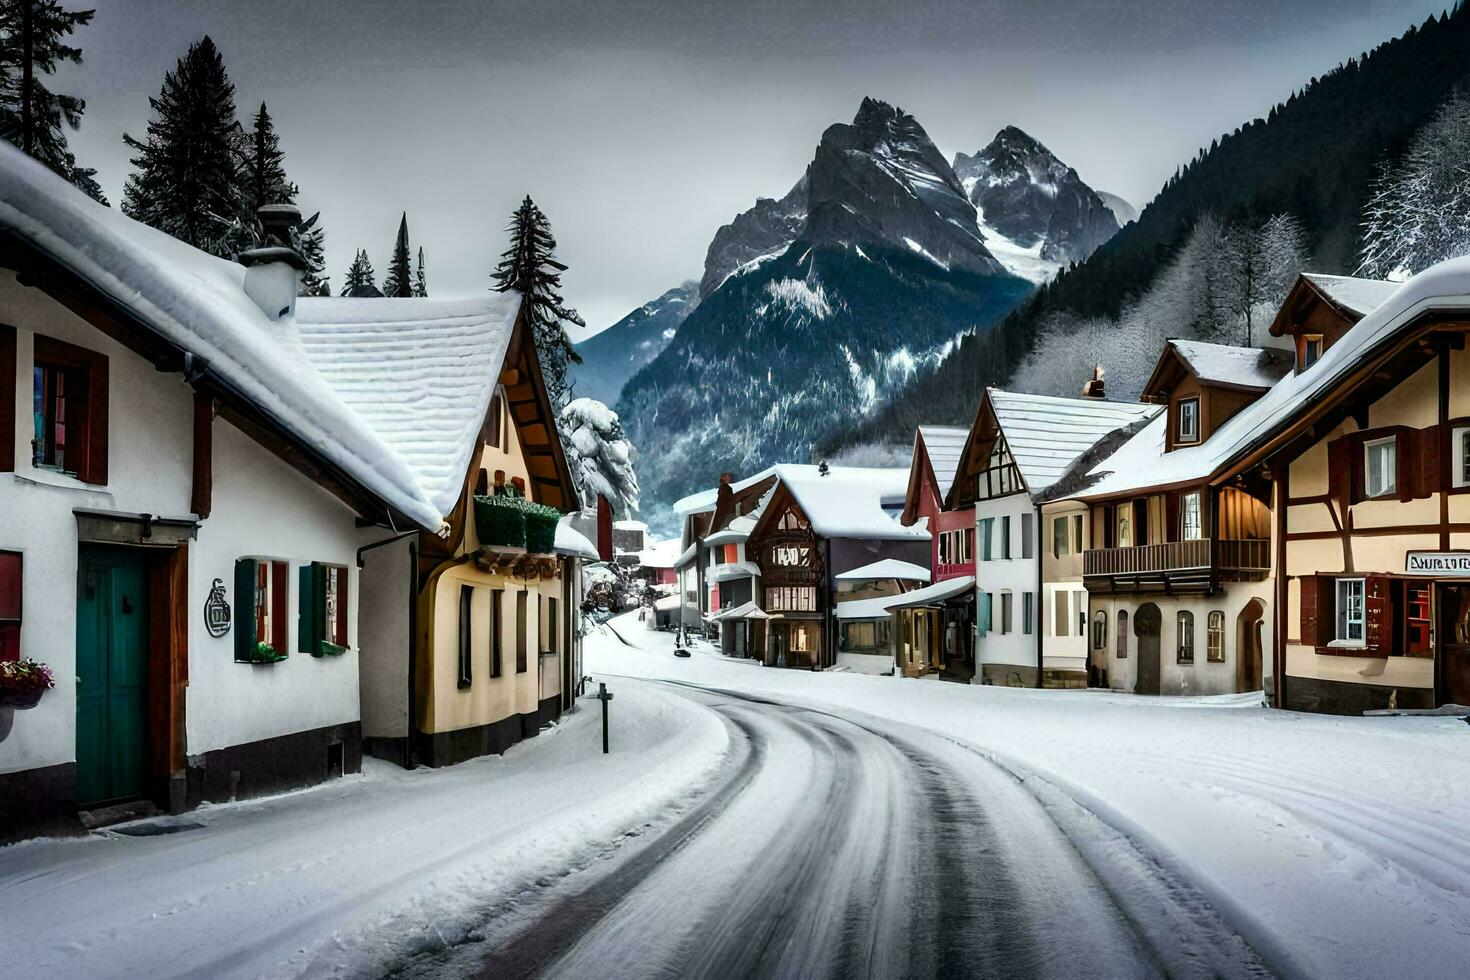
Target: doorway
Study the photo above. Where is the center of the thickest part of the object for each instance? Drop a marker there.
(1249, 644)
(1453, 630)
(1147, 623)
(112, 676)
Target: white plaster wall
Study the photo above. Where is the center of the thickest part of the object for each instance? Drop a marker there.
(149, 453)
(386, 594)
(1015, 574)
(263, 508)
(1198, 678)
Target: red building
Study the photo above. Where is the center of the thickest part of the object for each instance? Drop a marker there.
(937, 451)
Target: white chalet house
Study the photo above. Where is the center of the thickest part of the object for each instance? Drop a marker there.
(1018, 446)
(188, 480)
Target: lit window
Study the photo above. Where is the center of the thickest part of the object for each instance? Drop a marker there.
(1215, 638)
(1350, 610)
(1189, 420)
(1381, 467)
(1185, 649)
(1190, 525)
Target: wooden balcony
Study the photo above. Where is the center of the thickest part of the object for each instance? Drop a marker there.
(1176, 566)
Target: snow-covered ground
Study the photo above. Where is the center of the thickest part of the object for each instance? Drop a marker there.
(1336, 847)
(349, 878)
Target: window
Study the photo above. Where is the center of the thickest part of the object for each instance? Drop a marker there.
(497, 599)
(1028, 612)
(1079, 602)
(551, 626)
(1311, 350)
(982, 625)
(466, 657)
(732, 554)
(1099, 630)
(801, 639)
(1028, 533)
(955, 547)
(1125, 526)
(69, 407)
(321, 609)
(1185, 648)
(262, 594)
(1215, 638)
(858, 636)
(1005, 612)
(1188, 420)
(1381, 467)
(10, 605)
(1077, 541)
(520, 632)
(1122, 648)
(1005, 536)
(986, 528)
(791, 598)
(1059, 543)
(1350, 610)
(1061, 614)
(1460, 446)
(1190, 526)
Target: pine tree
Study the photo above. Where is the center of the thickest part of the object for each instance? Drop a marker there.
(420, 283)
(529, 267)
(360, 280)
(311, 243)
(399, 281)
(188, 177)
(264, 171)
(32, 116)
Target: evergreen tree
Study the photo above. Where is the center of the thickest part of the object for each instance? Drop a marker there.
(188, 177)
(311, 243)
(399, 281)
(264, 170)
(529, 267)
(360, 279)
(420, 284)
(34, 118)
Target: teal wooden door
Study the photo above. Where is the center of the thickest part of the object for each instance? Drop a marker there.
(112, 677)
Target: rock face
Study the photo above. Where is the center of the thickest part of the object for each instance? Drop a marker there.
(814, 308)
(611, 357)
(1024, 193)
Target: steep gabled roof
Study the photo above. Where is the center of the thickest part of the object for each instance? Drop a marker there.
(1344, 299)
(943, 443)
(1350, 294)
(849, 501)
(706, 499)
(1045, 433)
(1255, 368)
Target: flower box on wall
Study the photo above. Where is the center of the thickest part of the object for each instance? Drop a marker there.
(500, 522)
(23, 682)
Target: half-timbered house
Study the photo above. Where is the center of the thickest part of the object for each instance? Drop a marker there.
(1018, 446)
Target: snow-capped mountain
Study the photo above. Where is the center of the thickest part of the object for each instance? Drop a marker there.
(1036, 214)
(612, 356)
(885, 270)
(1122, 210)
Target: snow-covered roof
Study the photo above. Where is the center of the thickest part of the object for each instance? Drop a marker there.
(1360, 296)
(730, 535)
(1045, 433)
(197, 303)
(945, 445)
(931, 594)
(876, 608)
(662, 554)
(667, 602)
(746, 610)
(848, 501)
(570, 541)
(687, 555)
(730, 571)
(1246, 367)
(629, 525)
(886, 568)
(419, 372)
(1142, 462)
(706, 499)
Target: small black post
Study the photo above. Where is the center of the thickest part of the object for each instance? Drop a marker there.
(604, 697)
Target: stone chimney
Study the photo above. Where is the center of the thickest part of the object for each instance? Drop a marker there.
(1094, 386)
(273, 268)
(727, 478)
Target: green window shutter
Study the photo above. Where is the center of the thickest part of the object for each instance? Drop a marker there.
(244, 611)
(320, 630)
(308, 640)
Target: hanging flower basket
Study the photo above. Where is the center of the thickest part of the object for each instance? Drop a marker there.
(23, 682)
(264, 653)
(330, 649)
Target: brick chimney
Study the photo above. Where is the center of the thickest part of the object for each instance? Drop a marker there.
(273, 268)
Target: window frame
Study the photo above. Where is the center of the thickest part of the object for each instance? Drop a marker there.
(12, 603)
(1028, 536)
(1342, 621)
(1184, 637)
(86, 410)
(495, 623)
(465, 638)
(1309, 355)
(1100, 630)
(1215, 637)
(1182, 437)
(269, 624)
(1460, 451)
(1028, 613)
(1196, 499)
(1061, 542)
(1121, 651)
(1005, 537)
(522, 601)
(1390, 472)
(1007, 603)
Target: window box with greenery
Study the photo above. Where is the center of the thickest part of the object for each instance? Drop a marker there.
(322, 610)
(22, 682)
(506, 519)
(262, 589)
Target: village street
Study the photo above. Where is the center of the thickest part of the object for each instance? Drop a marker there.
(755, 821)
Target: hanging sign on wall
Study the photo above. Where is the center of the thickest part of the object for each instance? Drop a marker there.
(217, 610)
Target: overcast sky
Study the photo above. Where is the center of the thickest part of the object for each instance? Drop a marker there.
(640, 127)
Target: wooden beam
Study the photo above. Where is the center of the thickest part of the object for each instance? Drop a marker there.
(202, 496)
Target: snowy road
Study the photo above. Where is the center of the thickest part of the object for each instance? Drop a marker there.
(835, 845)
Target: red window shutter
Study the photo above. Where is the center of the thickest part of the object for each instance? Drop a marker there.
(7, 398)
(1308, 585)
(1378, 615)
(341, 624)
(95, 460)
(280, 593)
(1421, 470)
